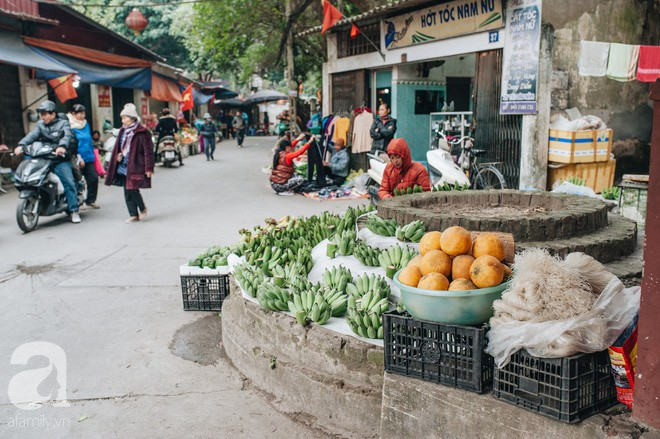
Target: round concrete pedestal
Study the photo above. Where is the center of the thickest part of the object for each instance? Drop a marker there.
(329, 381)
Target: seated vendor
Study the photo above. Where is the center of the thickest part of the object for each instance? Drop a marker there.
(337, 167)
(401, 172)
(283, 179)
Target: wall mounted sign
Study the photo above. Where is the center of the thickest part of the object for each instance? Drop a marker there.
(520, 64)
(446, 20)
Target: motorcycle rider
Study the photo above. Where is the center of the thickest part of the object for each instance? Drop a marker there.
(56, 130)
(167, 126)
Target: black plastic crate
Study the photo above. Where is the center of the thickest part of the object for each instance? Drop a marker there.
(447, 354)
(569, 389)
(204, 293)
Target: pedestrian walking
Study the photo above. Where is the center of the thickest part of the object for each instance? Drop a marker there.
(132, 162)
(239, 125)
(86, 157)
(382, 130)
(209, 131)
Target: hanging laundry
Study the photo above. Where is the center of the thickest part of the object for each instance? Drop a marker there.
(361, 139)
(622, 62)
(341, 128)
(648, 67)
(593, 58)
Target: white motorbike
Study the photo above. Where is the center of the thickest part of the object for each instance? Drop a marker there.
(109, 145)
(441, 165)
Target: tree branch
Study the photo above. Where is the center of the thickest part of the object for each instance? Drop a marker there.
(289, 24)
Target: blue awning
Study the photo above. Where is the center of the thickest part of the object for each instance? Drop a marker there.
(92, 73)
(14, 51)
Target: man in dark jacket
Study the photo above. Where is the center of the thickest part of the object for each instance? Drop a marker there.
(167, 126)
(55, 130)
(239, 125)
(209, 131)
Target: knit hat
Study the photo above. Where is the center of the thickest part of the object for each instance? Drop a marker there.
(207, 116)
(130, 111)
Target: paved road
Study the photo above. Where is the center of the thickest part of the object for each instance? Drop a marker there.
(108, 294)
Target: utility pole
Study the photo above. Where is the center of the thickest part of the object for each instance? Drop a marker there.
(295, 130)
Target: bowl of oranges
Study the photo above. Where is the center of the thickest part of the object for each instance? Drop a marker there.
(456, 277)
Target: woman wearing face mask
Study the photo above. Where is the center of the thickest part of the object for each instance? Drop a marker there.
(401, 172)
(382, 130)
(132, 163)
(80, 129)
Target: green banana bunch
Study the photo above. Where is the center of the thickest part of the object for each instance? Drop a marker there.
(273, 297)
(366, 255)
(337, 300)
(337, 278)
(347, 242)
(365, 315)
(249, 278)
(366, 283)
(304, 258)
(411, 232)
(381, 226)
(395, 258)
(309, 306)
(284, 276)
(449, 187)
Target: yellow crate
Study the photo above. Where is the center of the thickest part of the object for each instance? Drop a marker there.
(598, 175)
(572, 146)
(603, 145)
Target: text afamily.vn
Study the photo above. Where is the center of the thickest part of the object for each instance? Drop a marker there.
(37, 422)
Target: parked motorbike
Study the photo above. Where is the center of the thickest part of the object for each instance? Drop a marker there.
(441, 164)
(109, 145)
(167, 152)
(376, 169)
(41, 192)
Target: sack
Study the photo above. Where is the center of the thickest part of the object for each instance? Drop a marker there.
(97, 163)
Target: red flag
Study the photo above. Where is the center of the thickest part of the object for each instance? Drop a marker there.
(187, 102)
(63, 88)
(331, 15)
(355, 31)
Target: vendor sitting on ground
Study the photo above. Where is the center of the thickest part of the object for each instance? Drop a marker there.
(337, 167)
(401, 172)
(283, 178)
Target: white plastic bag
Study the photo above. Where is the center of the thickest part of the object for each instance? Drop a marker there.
(574, 189)
(592, 331)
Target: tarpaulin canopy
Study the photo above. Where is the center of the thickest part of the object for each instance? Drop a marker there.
(164, 89)
(200, 98)
(93, 73)
(14, 51)
(265, 96)
(84, 53)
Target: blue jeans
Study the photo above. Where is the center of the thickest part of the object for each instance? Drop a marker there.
(65, 173)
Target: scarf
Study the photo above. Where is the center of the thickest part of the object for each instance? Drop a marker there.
(75, 123)
(126, 138)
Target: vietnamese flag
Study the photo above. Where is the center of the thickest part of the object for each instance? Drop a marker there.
(355, 31)
(63, 88)
(187, 101)
(331, 15)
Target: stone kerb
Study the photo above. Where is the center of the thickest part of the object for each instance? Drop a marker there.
(542, 216)
(328, 381)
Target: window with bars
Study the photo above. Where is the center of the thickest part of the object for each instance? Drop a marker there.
(360, 44)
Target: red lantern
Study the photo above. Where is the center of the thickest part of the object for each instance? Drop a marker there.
(136, 21)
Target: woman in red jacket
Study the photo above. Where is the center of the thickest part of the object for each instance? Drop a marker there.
(401, 172)
(283, 179)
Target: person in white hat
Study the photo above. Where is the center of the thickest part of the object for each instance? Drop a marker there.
(209, 131)
(132, 163)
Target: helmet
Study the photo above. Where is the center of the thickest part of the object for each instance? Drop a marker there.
(46, 107)
(207, 116)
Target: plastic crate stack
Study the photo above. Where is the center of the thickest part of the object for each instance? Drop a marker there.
(203, 289)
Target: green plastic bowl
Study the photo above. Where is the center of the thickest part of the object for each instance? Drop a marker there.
(472, 307)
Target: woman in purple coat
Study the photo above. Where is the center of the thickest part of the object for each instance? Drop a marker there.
(132, 162)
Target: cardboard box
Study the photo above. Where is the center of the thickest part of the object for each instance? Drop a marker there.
(572, 146)
(603, 145)
(598, 175)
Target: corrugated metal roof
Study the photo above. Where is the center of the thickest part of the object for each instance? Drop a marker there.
(389, 9)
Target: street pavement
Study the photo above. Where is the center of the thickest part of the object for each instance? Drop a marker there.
(104, 296)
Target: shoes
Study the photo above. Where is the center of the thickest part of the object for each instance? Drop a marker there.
(286, 193)
(208, 159)
(93, 205)
(75, 217)
(132, 219)
(212, 158)
(240, 146)
(180, 163)
(143, 214)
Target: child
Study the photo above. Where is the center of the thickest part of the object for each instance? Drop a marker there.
(283, 179)
(337, 167)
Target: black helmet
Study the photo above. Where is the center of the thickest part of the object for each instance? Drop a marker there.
(46, 107)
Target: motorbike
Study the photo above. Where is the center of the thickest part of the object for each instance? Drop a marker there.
(167, 151)
(41, 192)
(376, 168)
(441, 164)
(109, 145)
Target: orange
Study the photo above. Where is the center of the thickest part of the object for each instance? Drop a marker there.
(460, 267)
(488, 244)
(486, 271)
(434, 281)
(456, 241)
(508, 274)
(461, 284)
(430, 241)
(410, 276)
(436, 261)
(415, 261)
